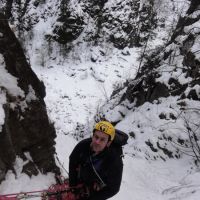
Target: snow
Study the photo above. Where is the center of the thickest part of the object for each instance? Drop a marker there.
(2, 102)
(23, 183)
(71, 100)
(76, 88)
(8, 81)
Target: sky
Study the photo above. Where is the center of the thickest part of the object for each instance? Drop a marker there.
(76, 89)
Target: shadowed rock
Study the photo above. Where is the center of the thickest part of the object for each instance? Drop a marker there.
(26, 132)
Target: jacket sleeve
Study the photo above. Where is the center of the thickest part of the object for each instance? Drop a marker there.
(113, 182)
(73, 166)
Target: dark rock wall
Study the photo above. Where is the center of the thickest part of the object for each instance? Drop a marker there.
(27, 127)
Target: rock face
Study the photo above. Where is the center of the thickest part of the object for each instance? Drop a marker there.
(27, 131)
(169, 74)
(125, 23)
(149, 84)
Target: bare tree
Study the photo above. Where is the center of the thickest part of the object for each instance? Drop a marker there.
(189, 144)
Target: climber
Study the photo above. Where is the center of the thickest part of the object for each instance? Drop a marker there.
(96, 165)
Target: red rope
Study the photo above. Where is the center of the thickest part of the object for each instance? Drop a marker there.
(40, 193)
(15, 196)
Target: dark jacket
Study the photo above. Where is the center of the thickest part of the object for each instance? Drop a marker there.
(108, 165)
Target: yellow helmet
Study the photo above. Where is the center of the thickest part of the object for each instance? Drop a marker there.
(106, 127)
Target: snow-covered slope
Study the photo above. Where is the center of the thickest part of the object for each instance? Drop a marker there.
(81, 79)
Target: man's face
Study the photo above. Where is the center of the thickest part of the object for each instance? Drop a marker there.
(100, 140)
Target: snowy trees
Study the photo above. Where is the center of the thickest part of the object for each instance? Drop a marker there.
(193, 128)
